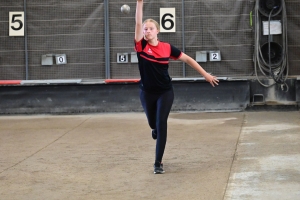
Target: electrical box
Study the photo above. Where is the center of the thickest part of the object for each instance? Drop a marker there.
(275, 27)
(133, 57)
(201, 56)
(47, 59)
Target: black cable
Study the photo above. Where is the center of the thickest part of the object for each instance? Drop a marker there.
(265, 66)
(269, 48)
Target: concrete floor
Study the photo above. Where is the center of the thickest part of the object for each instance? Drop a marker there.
(213, 156)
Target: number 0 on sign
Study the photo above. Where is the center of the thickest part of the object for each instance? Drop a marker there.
(61, 59)
(16, 24)
(167, 20)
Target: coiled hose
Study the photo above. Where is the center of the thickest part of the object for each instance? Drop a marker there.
(278, 71)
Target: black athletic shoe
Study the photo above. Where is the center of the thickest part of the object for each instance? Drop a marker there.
(154, 134)
(158, 168)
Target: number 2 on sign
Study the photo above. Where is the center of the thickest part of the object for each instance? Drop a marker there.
(16, 24)
(215, 56)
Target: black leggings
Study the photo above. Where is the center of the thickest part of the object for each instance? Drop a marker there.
(157, 108)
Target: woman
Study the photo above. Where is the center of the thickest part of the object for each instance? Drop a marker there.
(156, 93)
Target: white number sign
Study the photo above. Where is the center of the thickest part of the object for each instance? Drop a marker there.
(16, 24)
(61, 59)
(215, 56)
(167, 20)
(122, 57)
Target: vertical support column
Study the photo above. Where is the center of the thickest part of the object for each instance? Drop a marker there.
(25, 38)
(107, 45)
(183, 39)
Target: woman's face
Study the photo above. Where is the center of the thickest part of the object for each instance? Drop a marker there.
(150, 30)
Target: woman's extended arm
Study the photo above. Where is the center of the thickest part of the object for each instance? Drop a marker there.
(139, 20)
(190, 61)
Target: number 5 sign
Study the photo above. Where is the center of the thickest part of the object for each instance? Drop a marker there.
(16, 24)
(167, 20)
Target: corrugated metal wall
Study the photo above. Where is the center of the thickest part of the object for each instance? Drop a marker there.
(76, 28)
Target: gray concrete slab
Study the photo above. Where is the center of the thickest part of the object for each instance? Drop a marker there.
(212, 156)
(267, 160)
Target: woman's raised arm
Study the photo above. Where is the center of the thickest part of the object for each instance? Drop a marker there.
(139, 20)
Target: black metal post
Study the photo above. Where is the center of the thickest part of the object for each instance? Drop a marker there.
(25, 38)
(107, 45)
(183, 39)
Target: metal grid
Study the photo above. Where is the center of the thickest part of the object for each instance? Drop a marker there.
(224, 26)
(12, 56)
(76, 28)
(122, 35)
(66, 27)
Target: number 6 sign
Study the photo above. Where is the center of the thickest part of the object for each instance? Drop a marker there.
(16, 24)
(167, 20)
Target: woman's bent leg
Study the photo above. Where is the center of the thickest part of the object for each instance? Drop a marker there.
(149, 104)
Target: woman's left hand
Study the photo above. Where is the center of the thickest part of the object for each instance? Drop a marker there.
(211, 79)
